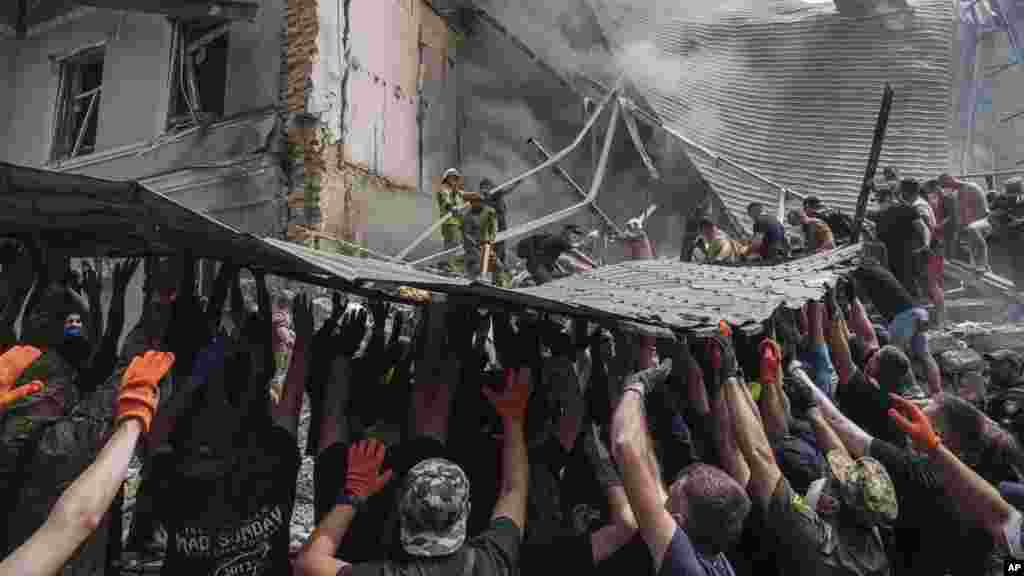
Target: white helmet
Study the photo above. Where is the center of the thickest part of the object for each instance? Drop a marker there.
(449, 173)
(634, 225)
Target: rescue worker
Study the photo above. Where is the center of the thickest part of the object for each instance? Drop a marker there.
(449, 201)
(479, 229)
(497, 202)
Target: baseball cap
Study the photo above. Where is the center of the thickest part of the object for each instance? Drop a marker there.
(434, 508)
(450, 172)
(896, 374)
(812, 202)
(799, 462)
(865, 486)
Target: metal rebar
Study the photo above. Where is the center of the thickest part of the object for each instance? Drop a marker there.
(530, 227)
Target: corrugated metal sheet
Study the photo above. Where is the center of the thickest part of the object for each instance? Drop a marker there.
(794, 95)
(91, 217)
(365, 270)
(695, 296)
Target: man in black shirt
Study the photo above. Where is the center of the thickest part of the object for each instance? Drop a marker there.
(434, 507)
(769, 234)
(541, 252)
(906, 320)
(899, 229)
(235, 489)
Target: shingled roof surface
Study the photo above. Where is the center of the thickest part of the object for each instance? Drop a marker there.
(793, 93)
(695, 296)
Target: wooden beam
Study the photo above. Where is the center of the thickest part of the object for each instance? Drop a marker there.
(184, 9)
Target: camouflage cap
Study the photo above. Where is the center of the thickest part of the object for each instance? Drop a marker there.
(434, 508)
(865, 486)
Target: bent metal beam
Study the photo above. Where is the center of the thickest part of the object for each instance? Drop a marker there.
(550, 162)
(534, 225)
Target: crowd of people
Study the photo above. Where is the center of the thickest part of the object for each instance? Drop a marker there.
(920, 225)
(518, 443)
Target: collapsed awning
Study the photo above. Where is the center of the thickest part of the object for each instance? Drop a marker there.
(21, 16)
(86, 217)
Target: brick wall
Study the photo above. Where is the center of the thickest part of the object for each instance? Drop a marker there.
(304, 149)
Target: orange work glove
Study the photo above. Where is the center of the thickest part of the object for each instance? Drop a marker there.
(140, 387)
(917, 427)
(771, 361)
(12, 364)
(511, 403)
(364, 477)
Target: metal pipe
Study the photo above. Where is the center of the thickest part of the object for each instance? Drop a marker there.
(530, 227)
(608, 222)
(634, 133)
(876, 151)
(551, 162)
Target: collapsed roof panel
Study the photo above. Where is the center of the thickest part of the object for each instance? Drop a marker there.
(790, 93)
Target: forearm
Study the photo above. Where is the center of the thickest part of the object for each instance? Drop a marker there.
(853, 437)
(840, 344)
(752, 442)
(697, 391)
(515, 476)
(861, 324)
(729, 454)
(319, 550)
(79, 511)
(773, 411)
(611, 538)
(828, 440)
(286, 412)
(815, 322)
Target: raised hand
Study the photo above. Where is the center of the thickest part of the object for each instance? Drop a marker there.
(364, 478)
(123, 274)
(353, 330)
(723, 362)
(12, 364)
(302, 318)
(511, 402)
(912, 420)
(140, 387)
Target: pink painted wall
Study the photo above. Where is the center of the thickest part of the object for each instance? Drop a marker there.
(381, 132)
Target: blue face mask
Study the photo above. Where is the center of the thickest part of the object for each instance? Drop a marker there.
(73, 331)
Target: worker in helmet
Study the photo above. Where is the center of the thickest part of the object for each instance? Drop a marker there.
(449, 201)
(479, 229)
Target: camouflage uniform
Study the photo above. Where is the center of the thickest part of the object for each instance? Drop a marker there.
(865, 486)
(479, 227)
(434, 509)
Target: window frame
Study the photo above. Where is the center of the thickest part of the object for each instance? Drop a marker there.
(64, 145)
(180, 65)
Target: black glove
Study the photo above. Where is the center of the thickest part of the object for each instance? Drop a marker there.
(797, 387)
(850, 289)
(599, 458)
(652, 378)
(353, 329)
(831, 305)
(728, 368)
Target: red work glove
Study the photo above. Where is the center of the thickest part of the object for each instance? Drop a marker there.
(771, 360)
(512, 401)
(364, 477)
(917, 427)
(12, 364)
(140, 387)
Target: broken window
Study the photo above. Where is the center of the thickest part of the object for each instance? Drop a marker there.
(199, 61)
(78, 103)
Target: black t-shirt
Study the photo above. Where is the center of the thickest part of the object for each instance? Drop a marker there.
(774, 234)
(883, 290)
(896, 228)
(930, 539)
(495, 553)
(252, 537)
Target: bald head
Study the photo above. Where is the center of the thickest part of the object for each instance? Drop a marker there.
(710, 506)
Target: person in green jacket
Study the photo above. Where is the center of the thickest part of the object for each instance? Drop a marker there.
(479, 230)
(449, 201)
